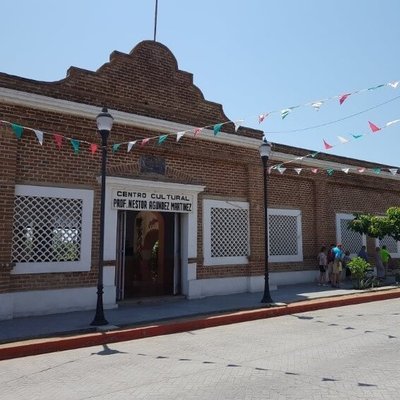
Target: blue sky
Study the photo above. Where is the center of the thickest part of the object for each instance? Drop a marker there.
(251, 56)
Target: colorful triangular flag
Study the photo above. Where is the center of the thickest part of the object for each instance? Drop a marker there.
(281, 170)
(330, 171)
(162, 139)
(392, 122)
(327, 145)
(285, 113)
(179, 136)
(375, 87)
(93, 148)
(58, 139)
(393, 171)
(394, 84)
(261, 117)
(373, 127)
(314, 170)
(376, 170)
(343, 98)
(343, 140)
(197, 131)
(298, 170)
(75, 145)
(313, 155)
(144, 141)
(317, 105)
(217, 129)
(346, 170)
(39, 135)
(116, 147)
(18, 130)
(238, 124)
(361, 170)
(130, 145)
(357, 136)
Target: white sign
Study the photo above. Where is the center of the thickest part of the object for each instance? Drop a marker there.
(151, 201)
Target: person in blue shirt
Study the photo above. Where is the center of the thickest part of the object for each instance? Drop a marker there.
(337, 264)
(363, 253)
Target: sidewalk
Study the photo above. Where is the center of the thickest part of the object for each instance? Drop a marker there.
(41, 334)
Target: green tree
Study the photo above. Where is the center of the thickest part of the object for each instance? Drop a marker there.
(378, 226)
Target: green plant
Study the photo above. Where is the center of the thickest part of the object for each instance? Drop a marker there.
(359, 267)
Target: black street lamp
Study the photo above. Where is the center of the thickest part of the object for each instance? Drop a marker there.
(265, 151)
(104, 124)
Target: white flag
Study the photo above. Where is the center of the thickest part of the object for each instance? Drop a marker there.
(39, 135)
(130, 145)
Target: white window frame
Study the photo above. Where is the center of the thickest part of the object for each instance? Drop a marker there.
(287, 258)
(84, 263)
(207, 206)
(394, 255)
(349, 217)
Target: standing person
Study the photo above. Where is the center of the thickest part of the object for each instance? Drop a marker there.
(380, 269)
(330, 259)
(322, 263)
(385, 257)
(346, 259)
(337, 265)
(363, 253)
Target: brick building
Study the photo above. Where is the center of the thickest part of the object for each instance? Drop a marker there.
(182, 216)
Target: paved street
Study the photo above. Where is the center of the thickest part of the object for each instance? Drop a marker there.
(349, 352)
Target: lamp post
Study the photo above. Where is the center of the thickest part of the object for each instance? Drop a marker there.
(104, 124)
(265, 151)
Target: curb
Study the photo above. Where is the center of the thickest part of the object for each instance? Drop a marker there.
(54, 344)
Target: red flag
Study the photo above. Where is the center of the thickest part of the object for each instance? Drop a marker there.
(58, 139)
(314, 170)
(93, 147)
(343, 98)
(373, 127)
(327, 145)
(361, 170)
(197, 131)
(144, 141)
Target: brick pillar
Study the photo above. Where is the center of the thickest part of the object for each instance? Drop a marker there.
(255, 195)
(8, 158)
(321, 214)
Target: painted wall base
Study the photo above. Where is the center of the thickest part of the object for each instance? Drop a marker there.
(42, 302)
(200, 288)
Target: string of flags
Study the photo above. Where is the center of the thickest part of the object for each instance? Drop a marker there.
(93, 147)
(282, 167)
(76, 144)
(317, 104)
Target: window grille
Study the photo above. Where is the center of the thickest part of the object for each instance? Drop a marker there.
(390, 243)
(46, 229)
(226, 232)
(284, 235)
(52, 229)
(351, 241)
(229, 229)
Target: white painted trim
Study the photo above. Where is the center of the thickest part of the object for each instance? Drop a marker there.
(208, 259)
(42, 302)
(139, 121)
(86, 235)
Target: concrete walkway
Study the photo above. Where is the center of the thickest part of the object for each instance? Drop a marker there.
(40, 334)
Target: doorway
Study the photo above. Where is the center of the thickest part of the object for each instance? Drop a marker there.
(148, 262)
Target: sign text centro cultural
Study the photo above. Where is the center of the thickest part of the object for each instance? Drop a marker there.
(152, 201)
